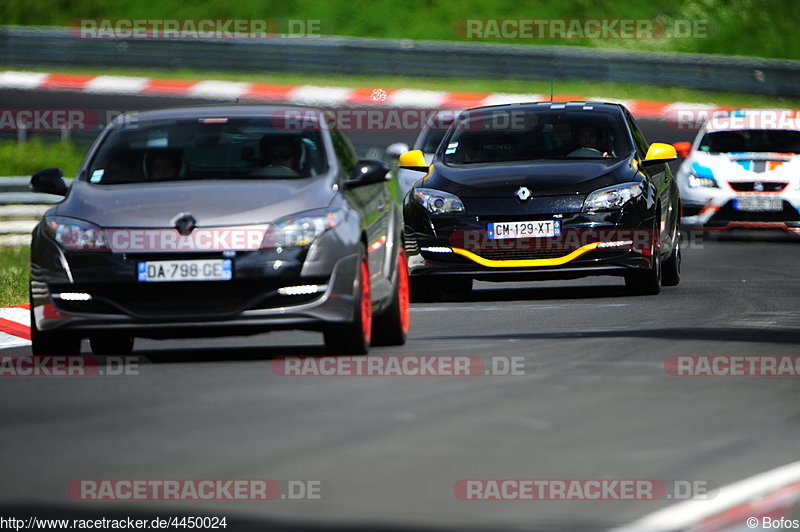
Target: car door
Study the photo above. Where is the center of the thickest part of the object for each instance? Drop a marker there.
(375, 204)
(661, 177)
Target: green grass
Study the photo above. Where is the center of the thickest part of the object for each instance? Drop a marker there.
(23, 159)
(764, 28)
(14, 265)
(576, 88)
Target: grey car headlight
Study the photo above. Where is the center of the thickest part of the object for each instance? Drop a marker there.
(75, 235)
(300, 230)
(613, 197)
(437, 201)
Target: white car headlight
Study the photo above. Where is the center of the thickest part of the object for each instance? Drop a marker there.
(301, 229)
(613, 197)
(76, 235)
(438, 202)
(701, 177)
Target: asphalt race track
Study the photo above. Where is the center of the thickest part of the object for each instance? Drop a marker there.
(594, 400)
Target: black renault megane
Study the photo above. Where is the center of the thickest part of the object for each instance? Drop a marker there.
(214, 221)
(553, 190)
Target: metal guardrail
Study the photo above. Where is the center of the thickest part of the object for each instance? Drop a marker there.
(21, 209)
(53, 47)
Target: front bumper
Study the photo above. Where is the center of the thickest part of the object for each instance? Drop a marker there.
(249, 303)
(607, 243)
(724, 216)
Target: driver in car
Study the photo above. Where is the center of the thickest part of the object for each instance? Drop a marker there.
(588, 138)
(280, 157)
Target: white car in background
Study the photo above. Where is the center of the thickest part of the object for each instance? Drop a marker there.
(427, 141)
(743, 171)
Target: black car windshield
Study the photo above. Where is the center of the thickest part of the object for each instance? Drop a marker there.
(207, 148)
(509, 135)
(751, 141)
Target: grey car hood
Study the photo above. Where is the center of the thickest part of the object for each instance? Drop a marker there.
(211, 202)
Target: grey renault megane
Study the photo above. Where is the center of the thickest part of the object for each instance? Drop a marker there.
(213, 221)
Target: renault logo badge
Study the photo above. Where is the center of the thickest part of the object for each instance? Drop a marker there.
(184, 223)
(524, 193)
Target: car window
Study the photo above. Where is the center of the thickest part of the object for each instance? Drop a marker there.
(510, 135)
(344, 151)
(638, 137)
(206, 148)
(751, 140)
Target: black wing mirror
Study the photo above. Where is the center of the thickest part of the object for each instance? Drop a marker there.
(49, 181)
(368, 171)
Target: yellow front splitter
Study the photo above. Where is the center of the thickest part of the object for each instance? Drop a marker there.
(523, 263)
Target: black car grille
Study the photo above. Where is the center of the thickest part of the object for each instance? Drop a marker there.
(522, 254)
(758, 186)
(525, 248)
(180, 299)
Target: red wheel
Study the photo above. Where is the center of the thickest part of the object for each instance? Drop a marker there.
(354, 338)
(392, 326)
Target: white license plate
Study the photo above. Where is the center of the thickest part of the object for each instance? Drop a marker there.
(758, 203)
(185, 270)
(535, 229)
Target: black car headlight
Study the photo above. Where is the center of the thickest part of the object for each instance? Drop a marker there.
(300, 230)
(613, 197)
(438, 202)
(76, 235)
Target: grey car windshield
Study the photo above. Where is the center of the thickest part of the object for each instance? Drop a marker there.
(515, 135)
(207, 148)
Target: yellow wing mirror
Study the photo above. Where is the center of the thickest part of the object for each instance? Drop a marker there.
(413, 160)
(660, 153)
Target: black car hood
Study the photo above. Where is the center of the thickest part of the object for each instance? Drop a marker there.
(212, 202)
(543, 178)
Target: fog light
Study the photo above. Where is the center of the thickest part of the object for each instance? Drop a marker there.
(615, 244)
(436, 249)
(73, 296)
(302, 290)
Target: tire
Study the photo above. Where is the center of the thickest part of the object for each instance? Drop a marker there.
(354, 338)
(391, 327)
(647, 282)
(671, 270)
(425, 289)
(53, 343)
(111, 345)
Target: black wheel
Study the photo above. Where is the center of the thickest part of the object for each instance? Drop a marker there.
(647, 282)
(111, 345)
(391, 327)
(671, 274)
(354, 338)
(426, 289)
(53, 343)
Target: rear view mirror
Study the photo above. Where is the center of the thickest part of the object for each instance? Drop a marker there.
(414, 160)
(368, 171)
(659, 153)
(49, 181)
